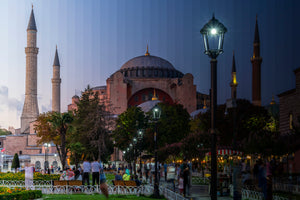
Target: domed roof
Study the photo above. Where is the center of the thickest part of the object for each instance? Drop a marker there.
(148, 61)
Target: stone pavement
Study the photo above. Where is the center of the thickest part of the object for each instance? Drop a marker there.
(197, 192)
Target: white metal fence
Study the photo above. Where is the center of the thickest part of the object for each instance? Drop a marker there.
(47, 188)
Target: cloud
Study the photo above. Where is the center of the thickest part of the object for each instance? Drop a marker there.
(10, 109)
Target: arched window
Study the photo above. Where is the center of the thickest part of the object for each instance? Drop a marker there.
(54, 164)
(37, 165)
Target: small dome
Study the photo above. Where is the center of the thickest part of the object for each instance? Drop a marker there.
(148, 61)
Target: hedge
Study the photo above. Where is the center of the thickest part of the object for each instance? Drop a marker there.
(19, 194)
(21, 176)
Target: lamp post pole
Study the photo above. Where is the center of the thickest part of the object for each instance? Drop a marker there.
(156, 115)
(156, 190)
(134, 154)
(213, 64)
(213, 33)
(140, 138)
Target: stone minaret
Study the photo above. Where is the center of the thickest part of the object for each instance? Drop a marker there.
(256, 71)
(233, 83)
(56, 84)
(30, 108)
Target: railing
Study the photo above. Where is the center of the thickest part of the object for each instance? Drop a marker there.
(9, 183)
(170, 195)
(196, 180)
(286, 187)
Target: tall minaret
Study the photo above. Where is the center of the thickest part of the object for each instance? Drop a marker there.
(56, 84)
(233, 83)
(256, 71)
(30, 108)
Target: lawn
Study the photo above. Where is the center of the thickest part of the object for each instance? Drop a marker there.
(92, 197)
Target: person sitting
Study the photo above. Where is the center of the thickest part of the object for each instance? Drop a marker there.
(126, 176)
(77, 175)
(137, 181)
(63, 176)
(70, 174)
(118, 176)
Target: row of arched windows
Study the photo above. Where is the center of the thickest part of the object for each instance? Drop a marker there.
(151, 72)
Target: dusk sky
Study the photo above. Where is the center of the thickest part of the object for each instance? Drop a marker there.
(96, 37)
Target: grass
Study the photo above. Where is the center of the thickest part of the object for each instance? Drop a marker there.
(93, 197)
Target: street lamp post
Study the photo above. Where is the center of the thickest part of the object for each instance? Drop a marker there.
(213, 36)
(46, 164)
(131, 155)
(140, 138)
(134, 147)
(156, 115)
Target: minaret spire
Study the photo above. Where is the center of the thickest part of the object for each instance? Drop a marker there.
(30, 109)
(256, 68)
(147, 52)
(233, 83)
(154, 96)
(31, 23)
(56, 81)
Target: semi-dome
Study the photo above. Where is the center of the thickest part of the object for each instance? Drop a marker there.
(148, 66)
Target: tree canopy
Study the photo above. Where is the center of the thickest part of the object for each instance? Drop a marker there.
(55, 127)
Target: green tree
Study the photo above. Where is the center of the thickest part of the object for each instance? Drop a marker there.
(93, 122)
(55, 127)
(15, 163)
(127, 125)
(172, 126)
(252, 123)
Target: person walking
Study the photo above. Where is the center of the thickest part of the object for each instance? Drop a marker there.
(86, 172)
(184, 171)
(165, 170)
(95, 172)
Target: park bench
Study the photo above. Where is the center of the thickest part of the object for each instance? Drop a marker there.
(124, 183)
(65, 182)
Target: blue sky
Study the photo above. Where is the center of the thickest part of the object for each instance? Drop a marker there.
(96, 37)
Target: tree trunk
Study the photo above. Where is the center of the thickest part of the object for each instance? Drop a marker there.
(63, 148)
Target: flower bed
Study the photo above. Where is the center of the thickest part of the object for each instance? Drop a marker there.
(19, 193)
(21, 176)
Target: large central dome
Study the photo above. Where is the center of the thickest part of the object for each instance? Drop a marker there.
(148, 62)
(149, 67)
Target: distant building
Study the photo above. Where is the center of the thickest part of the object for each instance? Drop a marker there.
(23, 141)
(289, 108)
(137, 80)
(289, 112)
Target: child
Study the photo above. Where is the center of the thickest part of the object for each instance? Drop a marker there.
(180, 184)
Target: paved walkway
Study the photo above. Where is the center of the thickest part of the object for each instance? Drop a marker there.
(197, 192)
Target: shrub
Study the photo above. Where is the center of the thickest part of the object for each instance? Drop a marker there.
(19, 193)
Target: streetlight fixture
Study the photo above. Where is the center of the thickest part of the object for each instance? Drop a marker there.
(213, 35)
(156, 111)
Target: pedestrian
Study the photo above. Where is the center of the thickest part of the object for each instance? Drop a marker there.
(118, 176)
(86, 171)
(95, 172)
(184, 171)
(103, 185)
(165, 170)
(126, 176)
(181, 184)
(171, 170)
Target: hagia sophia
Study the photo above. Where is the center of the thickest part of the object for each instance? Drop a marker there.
(133, 84)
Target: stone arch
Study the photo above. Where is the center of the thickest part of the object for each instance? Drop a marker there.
(146, 94)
